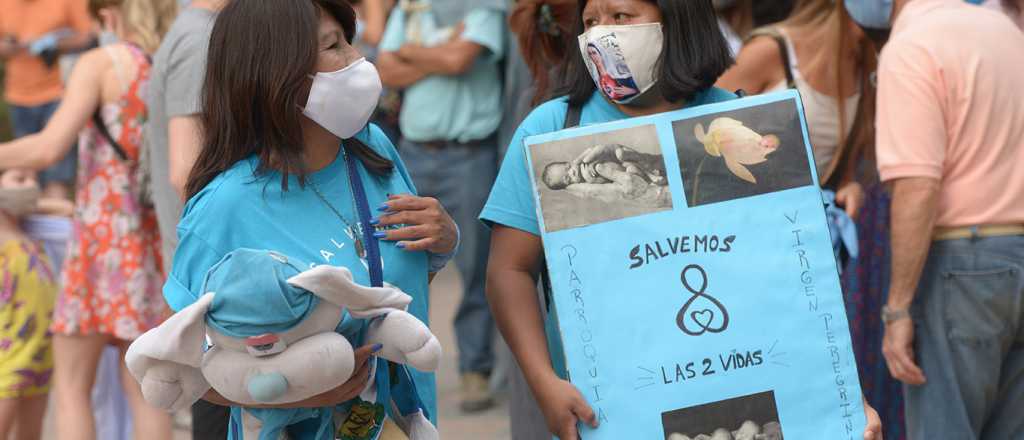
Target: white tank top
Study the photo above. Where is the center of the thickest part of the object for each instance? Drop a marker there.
(821, 111)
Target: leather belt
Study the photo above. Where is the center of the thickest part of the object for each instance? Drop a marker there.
(441, 145)
(957, 233)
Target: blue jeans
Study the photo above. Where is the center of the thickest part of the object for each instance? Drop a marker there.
(969, 337)
(31, 120)
(460, 177)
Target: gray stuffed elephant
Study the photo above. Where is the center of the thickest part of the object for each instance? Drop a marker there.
(270, 327)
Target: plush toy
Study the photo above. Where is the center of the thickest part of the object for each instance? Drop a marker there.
(271, 331)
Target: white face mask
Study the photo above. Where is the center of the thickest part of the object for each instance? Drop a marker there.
(343, 101)
(18, 202)
(621, 59)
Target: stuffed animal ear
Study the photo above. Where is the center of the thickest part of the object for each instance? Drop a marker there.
(167, 359)
(335, 285)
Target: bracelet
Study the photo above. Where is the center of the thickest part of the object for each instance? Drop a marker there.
(436, 262)
(890, 315)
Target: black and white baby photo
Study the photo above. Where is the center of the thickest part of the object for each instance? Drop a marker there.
(753, 417)
(602, 177)
(742, 153)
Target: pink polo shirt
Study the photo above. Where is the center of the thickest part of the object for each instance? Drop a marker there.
(951, 107)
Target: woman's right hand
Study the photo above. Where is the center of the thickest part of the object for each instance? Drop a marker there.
(352, 387)
(563, 406)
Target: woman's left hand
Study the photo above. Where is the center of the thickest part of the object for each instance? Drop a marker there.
(873, 431)
(424, 224)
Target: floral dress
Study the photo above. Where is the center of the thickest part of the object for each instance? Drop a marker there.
(27, 290)
(112, 276)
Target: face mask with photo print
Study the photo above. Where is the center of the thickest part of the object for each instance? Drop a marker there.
(621, 59)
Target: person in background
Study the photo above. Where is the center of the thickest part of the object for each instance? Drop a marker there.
(33, 34)
(737, 18)
(949, 128)
(682, 78)
(373, 17)
(173, 140)
(1012, 8)
(110, 286)
(290, 164)
(444, 55)
(825, 55)
(26, 304)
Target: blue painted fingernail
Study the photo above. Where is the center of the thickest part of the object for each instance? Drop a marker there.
(383, 208)
(376, 347)
(400, 245)
(380, 234)
(374, 222)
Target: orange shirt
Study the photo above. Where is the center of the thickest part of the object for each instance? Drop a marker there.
(28, 81)
(951, 107)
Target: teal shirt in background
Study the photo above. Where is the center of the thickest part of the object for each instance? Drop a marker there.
(241, 210)
(462, 108)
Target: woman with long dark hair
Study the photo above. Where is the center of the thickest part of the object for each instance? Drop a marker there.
(678, 52)
(291, 165)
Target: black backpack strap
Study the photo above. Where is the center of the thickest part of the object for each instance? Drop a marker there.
(97, 120)
(780, 40)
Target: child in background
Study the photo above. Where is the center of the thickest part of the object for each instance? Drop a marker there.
(28, 287)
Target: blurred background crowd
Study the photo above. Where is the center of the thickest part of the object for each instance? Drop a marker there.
(118, 136)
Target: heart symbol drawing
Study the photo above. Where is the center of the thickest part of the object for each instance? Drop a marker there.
(703, 317)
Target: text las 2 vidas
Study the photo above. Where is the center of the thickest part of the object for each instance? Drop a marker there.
(646, 253)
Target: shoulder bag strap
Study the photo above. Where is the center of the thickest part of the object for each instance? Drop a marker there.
(97, 120)
(780, 41)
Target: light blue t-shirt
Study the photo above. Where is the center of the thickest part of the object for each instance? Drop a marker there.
(462, 108)
(241, 210)
(511, 202)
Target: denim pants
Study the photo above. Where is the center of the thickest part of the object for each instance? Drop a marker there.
(969, 340)
(31, 120)
(460, 177)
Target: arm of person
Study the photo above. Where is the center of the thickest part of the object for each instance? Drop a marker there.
(47, 147)
(81, 24)
(397, 73)
(512, 268)
(449, 59)
(184, 140)
(340, 394)
(374, 18)
(9, 46)
(758, 67)
(911, 231)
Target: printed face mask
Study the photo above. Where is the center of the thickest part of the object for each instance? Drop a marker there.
(343, 101)
(621, 59)
(19, 201)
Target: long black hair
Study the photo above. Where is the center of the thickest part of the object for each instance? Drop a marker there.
(257, 80)
(694, 55)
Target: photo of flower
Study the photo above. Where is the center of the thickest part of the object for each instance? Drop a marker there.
(742, 153)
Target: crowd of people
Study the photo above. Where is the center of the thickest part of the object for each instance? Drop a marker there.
(386, 136)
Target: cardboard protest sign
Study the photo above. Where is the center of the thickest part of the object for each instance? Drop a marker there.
(693, 278)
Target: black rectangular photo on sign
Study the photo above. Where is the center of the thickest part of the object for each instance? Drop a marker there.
(753, 417)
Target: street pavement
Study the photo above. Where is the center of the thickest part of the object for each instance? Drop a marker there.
(453, 424)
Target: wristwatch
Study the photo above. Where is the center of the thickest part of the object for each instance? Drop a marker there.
(890, 315)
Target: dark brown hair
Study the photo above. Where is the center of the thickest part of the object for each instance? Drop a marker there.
(693, 56)
(257, 79)
(543, 29)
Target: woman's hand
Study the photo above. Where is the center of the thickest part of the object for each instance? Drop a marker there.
(851, 198)
(873, 431)
(424, 224)
(348, 390)
(563, 406)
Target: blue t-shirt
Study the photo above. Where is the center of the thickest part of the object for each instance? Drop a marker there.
(460, 108)
(511, 202)
(241, 210)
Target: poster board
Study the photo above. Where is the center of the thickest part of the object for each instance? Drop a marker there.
(692, 274)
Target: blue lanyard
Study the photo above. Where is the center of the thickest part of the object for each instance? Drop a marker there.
(363, 208)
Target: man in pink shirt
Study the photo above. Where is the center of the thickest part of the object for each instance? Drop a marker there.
(950, 142)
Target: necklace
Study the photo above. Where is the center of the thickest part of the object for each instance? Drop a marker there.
(355, 233)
